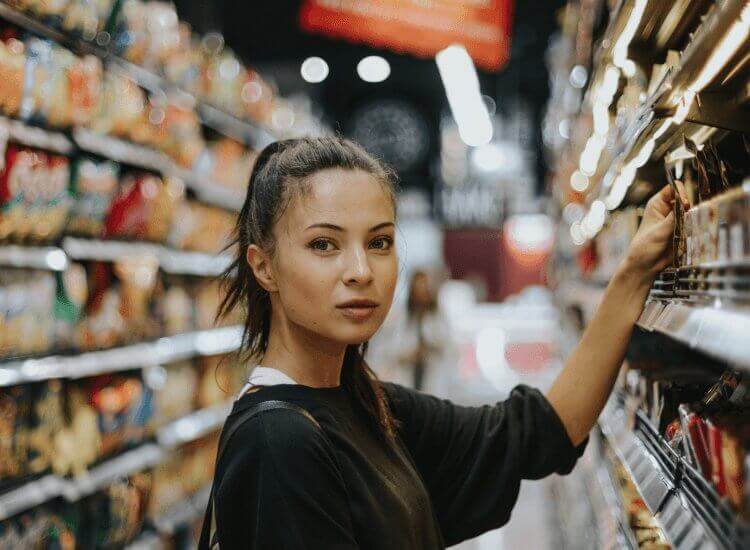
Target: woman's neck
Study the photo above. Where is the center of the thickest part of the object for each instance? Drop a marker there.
(304, 356)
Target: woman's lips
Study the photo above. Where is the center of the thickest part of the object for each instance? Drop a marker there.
(357, 311)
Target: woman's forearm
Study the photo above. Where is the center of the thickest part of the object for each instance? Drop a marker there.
(582, 388)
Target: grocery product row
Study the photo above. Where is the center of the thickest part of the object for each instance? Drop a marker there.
(647, 95)
(98, 460)
(146, 41)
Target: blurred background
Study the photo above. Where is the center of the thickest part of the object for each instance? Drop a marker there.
(527, 137)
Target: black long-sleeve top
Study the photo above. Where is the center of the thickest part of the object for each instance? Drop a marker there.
(452, 473)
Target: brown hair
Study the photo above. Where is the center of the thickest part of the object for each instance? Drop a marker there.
(279, 174)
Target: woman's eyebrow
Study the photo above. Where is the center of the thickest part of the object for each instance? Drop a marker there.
(339, 228)
(325, 226)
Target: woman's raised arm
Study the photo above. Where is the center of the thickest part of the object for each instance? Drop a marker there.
(582, 388)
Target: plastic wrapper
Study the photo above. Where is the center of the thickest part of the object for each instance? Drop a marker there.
(201, 228)
(131, 214)
(174, 393)
(94, 185)
(46, 420)
(27, 324)
(12, 71)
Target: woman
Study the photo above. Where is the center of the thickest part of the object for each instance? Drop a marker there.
(423, 337)
(331, 458)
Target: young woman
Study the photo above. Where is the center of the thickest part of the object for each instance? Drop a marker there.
(350, 462)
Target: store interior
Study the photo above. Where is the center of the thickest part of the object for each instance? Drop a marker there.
(527, 138)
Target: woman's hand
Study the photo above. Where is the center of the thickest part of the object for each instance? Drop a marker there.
(651, 248)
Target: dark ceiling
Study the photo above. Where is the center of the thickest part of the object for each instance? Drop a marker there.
(266, 35)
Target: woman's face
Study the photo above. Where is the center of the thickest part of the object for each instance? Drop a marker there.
(335, 263)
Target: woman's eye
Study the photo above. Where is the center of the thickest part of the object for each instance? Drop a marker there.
(321, 245)
(382, 243)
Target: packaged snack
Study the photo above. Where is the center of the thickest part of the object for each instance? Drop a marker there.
(114, 399)
(167, 489)
(103, 324)
(14, 431)
(715, 445)
(37, 79)
(55, 201)
(79, 443)
(132, 209)
(85, 76)
(33, 194)
(177, 313)
(138, 281)
(70, 301)
(93, 185)
(15, 179)
(12, 71)
(201, 228)
(166, 203)
(47, 418)
(733, 458)
(175, 393)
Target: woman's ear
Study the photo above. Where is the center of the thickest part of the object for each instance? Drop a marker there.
(260, 263)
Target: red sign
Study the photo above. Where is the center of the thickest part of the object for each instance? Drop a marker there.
(420, 27)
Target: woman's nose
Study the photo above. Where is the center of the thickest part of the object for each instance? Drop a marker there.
(358, 271)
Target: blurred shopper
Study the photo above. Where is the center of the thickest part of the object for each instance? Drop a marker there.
(423, 340)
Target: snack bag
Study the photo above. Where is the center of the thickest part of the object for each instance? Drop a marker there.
(93, 186)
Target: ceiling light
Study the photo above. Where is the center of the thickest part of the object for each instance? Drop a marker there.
(464, 97)
(314, 70)
(373, 68)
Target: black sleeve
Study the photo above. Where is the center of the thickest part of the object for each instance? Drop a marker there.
(280, 487)
(473, 459)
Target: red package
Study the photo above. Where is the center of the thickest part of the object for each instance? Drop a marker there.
(697, 434)
(133, 207)
(717, 461)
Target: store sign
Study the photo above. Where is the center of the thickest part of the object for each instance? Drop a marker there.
(471, 205)
(420, 27)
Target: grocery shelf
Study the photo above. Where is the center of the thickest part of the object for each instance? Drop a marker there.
(31, 257)
(171, 261)
(194, 426)
(34, 136)
(136, 356)
(614, 505)
(218, 119)
(28, 495)
(210, 192)
(183, 512)
(687, 508)
(111, 470)
(716, 330)
(121, 150)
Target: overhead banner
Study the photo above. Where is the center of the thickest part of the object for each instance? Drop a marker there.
(419, 27)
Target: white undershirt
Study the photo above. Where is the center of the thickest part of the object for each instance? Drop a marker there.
(265, 376)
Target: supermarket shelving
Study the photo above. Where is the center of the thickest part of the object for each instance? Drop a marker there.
(48, 487)
(180, 262)
(109, 471)
(194, 426)
(135, 356)
(28, 495)
(34, 136)
(211, 116)
(721, 332)
(688, 509)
